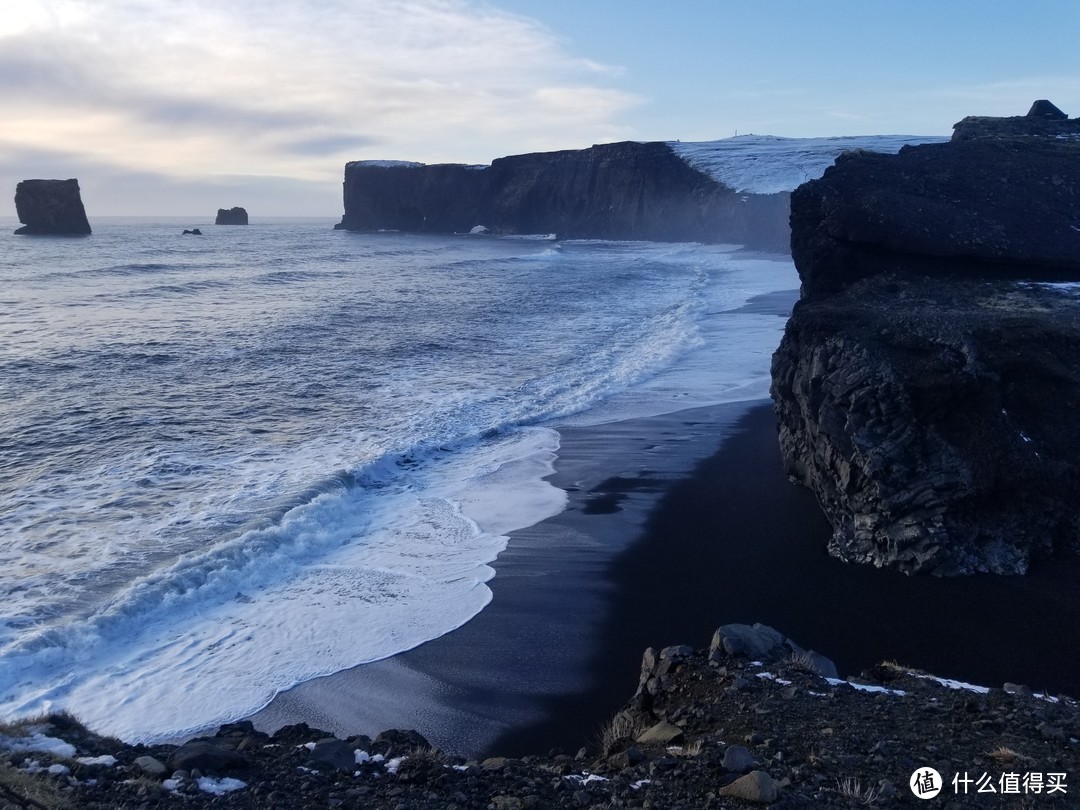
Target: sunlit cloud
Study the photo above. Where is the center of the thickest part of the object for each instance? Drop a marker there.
(293, 89)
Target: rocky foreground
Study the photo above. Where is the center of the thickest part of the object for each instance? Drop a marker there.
(748, 721)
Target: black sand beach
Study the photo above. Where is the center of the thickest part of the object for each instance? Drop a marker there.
(647, 555)
(552, 599)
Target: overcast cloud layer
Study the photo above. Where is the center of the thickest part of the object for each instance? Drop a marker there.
(184, 106)
(211, 97)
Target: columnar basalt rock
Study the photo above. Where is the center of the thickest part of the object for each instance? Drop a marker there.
(927, 386)
(51, 207)
(612, 191)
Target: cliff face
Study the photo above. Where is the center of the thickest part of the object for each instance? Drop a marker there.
(50, 207)
(927, 386)
(614, 191)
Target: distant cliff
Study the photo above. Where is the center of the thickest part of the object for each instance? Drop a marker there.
(51, 207)
(634, 191)
(927, 386)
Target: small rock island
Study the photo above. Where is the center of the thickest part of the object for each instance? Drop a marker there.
(231, 216)
(51, 208)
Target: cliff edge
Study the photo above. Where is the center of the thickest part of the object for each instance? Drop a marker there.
(927, 386)
(633, 191)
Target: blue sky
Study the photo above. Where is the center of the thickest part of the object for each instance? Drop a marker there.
(181, 107)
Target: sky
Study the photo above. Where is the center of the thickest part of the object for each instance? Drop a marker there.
(181, 107)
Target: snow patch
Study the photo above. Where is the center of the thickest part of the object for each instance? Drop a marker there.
(388, 164)
(585, 778)
(41, 743)
(219, 787)
(106, 760)
(865, 687)
(771, 677)
(952, 684)
(765, 164)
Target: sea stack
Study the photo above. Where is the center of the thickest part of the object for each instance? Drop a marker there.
(928, 382)
(51, 208)
(231, 216)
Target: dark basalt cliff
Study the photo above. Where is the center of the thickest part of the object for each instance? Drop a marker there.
(231, 216)
(639, 191)
(50, 207)
(927, 386)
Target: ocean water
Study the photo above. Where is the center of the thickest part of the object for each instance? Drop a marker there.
(235, 462)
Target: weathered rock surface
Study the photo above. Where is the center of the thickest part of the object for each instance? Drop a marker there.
(927, 386)
(612, 191)
(231, 216)
(51, 207)
(999, 201)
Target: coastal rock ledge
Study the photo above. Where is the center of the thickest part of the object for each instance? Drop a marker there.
(927, 386)
(51, 208)
(629, 190)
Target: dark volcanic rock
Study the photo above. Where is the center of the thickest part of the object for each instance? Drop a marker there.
(809, 743)
(980, 206)
(927, 389)
(231, 216)
(51, 207)
(612, 191)
(937, 421)
(1042, 108)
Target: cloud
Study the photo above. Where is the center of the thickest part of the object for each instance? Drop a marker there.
(291, 89)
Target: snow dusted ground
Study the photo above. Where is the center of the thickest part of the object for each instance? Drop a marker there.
(765, 164)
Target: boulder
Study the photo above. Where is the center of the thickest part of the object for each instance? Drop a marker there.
(331, 752)
(151, 766)
(395, 742)
(738, 759)
(207, 756)
(663, 733)
(756, 786)
(51, 207)
(231, 216)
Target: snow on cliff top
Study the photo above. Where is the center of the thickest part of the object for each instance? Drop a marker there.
(765, 164)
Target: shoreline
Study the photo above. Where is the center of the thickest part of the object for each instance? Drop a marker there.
(481, 686)
(664, 539)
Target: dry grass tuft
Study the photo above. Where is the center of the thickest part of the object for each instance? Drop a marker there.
(1003, 755)
(19, 789)
(802, 662)
(852, 790)
(621, 728)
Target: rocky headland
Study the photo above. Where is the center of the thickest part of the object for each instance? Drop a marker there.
(927, 387)
(231, 216)
(51, 208)
(633, 191)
